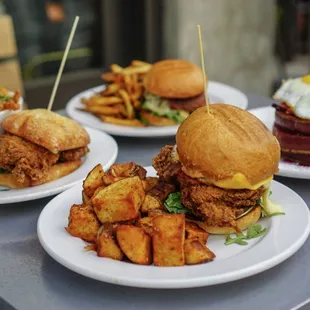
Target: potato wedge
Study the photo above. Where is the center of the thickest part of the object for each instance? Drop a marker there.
(85, 198)
(107, 246)
(83, 223)
(150, 182)
(120, 201)
(122, 122)
(196, 252)
(129, 169)
(135, 243)
(151, 203)
(192, 230)
(168, 240)
(93, 180)
(146, 223)
(156, 212)
(139, 63)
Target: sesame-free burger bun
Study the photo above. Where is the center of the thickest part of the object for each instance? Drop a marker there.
(174, 78)
(227, 141)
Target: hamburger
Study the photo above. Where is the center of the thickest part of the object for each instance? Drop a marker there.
(39, 146)
(292, 119)
(173, 89)
(222, 163)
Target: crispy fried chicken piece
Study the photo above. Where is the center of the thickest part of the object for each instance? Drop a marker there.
(166, 164)
(73, 154)
(161, 190)
(217, 206)
(24, 159)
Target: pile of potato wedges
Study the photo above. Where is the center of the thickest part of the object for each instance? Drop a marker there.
(123, 217)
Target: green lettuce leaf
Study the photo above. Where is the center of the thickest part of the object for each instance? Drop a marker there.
(173, 204)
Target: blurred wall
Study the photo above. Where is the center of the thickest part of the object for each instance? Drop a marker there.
(238, 39)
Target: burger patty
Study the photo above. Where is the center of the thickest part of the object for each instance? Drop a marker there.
(187, 104)
(28, 160)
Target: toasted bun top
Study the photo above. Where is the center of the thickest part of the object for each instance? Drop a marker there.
(48, 129)
(174, 78)
(228, 141)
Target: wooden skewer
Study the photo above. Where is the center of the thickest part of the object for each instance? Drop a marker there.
(63, 62)
(203, 69)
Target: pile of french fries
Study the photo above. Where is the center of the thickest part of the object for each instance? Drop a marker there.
(120, 102)
(123, 217)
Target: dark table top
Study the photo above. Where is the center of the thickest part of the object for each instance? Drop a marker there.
(31, 280)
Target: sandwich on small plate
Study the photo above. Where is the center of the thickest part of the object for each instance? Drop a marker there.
(292, 119)
(39, 146)
(223, 163)
(173, 89)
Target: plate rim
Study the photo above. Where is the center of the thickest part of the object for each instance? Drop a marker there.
(166, 131)
(188, 283)
(60, 189)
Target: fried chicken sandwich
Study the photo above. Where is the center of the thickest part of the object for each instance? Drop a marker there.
(173, 89)
(223, 163)
(39, 146)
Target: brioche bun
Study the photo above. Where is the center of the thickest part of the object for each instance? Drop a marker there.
(48, 129)
(174, 78)
(55, 172)
(243, 223)
(227, 141)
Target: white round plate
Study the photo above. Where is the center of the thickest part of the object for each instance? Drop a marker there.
(232, 262)
(103, 150)
(286, 169)
(218, 92)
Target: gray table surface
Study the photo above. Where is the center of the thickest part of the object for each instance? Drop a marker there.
(31, 280)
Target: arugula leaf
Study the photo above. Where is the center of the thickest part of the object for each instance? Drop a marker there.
(4, 98)
(173, 204)
(254, 231)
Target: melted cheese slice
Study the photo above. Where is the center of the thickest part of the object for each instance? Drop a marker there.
(239, 181)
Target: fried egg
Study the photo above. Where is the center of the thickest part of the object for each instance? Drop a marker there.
(296, 94)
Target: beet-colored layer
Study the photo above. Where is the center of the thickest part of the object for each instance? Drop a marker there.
(292, 123)
(290, 141)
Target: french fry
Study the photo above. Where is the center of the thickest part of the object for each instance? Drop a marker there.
(122, 122)
(139, 63)
(94, 100)
(116, 68)
(137, 104)
(111, 89)
(136, 70)
(108, 76)
(129, 108)
(105, 110)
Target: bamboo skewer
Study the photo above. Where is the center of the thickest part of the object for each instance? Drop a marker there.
(63, 62)
(203, 69)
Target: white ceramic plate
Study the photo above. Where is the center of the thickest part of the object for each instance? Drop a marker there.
(286, 169)
(218, 92)
(103, 150)
(232, 262)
